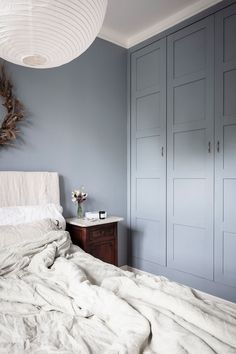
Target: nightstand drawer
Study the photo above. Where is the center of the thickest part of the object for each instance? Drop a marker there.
(106, 251)
(101, 233)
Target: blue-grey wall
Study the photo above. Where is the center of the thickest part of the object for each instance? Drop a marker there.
(77, 127)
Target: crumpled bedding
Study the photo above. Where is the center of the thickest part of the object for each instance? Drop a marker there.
(55, 298)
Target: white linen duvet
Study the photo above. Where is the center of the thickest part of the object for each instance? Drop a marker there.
(55, 298)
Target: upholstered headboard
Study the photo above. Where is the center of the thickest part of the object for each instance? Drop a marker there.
(28, 188)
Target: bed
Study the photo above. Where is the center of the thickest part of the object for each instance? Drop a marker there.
(55, 298)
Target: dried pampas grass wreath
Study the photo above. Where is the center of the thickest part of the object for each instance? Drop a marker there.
(14, 110)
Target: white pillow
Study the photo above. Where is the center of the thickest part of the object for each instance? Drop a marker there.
(26, 214)
(13, 234)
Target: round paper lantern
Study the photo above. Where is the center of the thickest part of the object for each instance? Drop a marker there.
(48, 33)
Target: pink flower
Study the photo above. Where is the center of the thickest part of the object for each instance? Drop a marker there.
(79, 196)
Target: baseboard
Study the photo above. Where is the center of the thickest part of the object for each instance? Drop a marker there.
(202, 293)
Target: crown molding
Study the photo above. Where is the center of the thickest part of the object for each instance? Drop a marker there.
(128, 42)
(171, 21)
(112, 36)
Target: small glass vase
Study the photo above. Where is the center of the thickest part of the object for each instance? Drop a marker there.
(80, 213)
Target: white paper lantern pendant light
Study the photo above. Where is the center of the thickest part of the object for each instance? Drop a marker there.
(48, 33)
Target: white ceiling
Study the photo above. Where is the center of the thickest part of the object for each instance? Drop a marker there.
(129, 22)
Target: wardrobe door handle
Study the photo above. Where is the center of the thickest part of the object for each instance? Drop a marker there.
(162, 151)
(218, 146)
(209, 147)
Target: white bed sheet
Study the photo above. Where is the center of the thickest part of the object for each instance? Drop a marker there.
(57, 300)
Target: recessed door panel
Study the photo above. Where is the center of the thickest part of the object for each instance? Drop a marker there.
(190, 151)
(229, 89)
(190, 161)
(189, 247)
(229, 203)
(229, 30)
(229, 264)
(148, 153)
(189, 201)
(148, 198)
(148, 112)
(148, 69)
(189, 102)
(189, 52)
(229, 147)
(146, 233)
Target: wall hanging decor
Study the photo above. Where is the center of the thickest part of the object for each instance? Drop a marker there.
(13, 107)
(48, 33)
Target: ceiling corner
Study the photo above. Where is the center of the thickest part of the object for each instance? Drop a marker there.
(114, 37)
(127, 41)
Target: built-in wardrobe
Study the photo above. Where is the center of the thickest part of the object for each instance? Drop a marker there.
(183, 155)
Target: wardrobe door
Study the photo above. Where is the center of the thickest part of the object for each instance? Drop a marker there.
(225, 165)
(148, 154)
(190, 149)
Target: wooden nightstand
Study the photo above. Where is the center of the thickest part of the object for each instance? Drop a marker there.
(99, 238)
